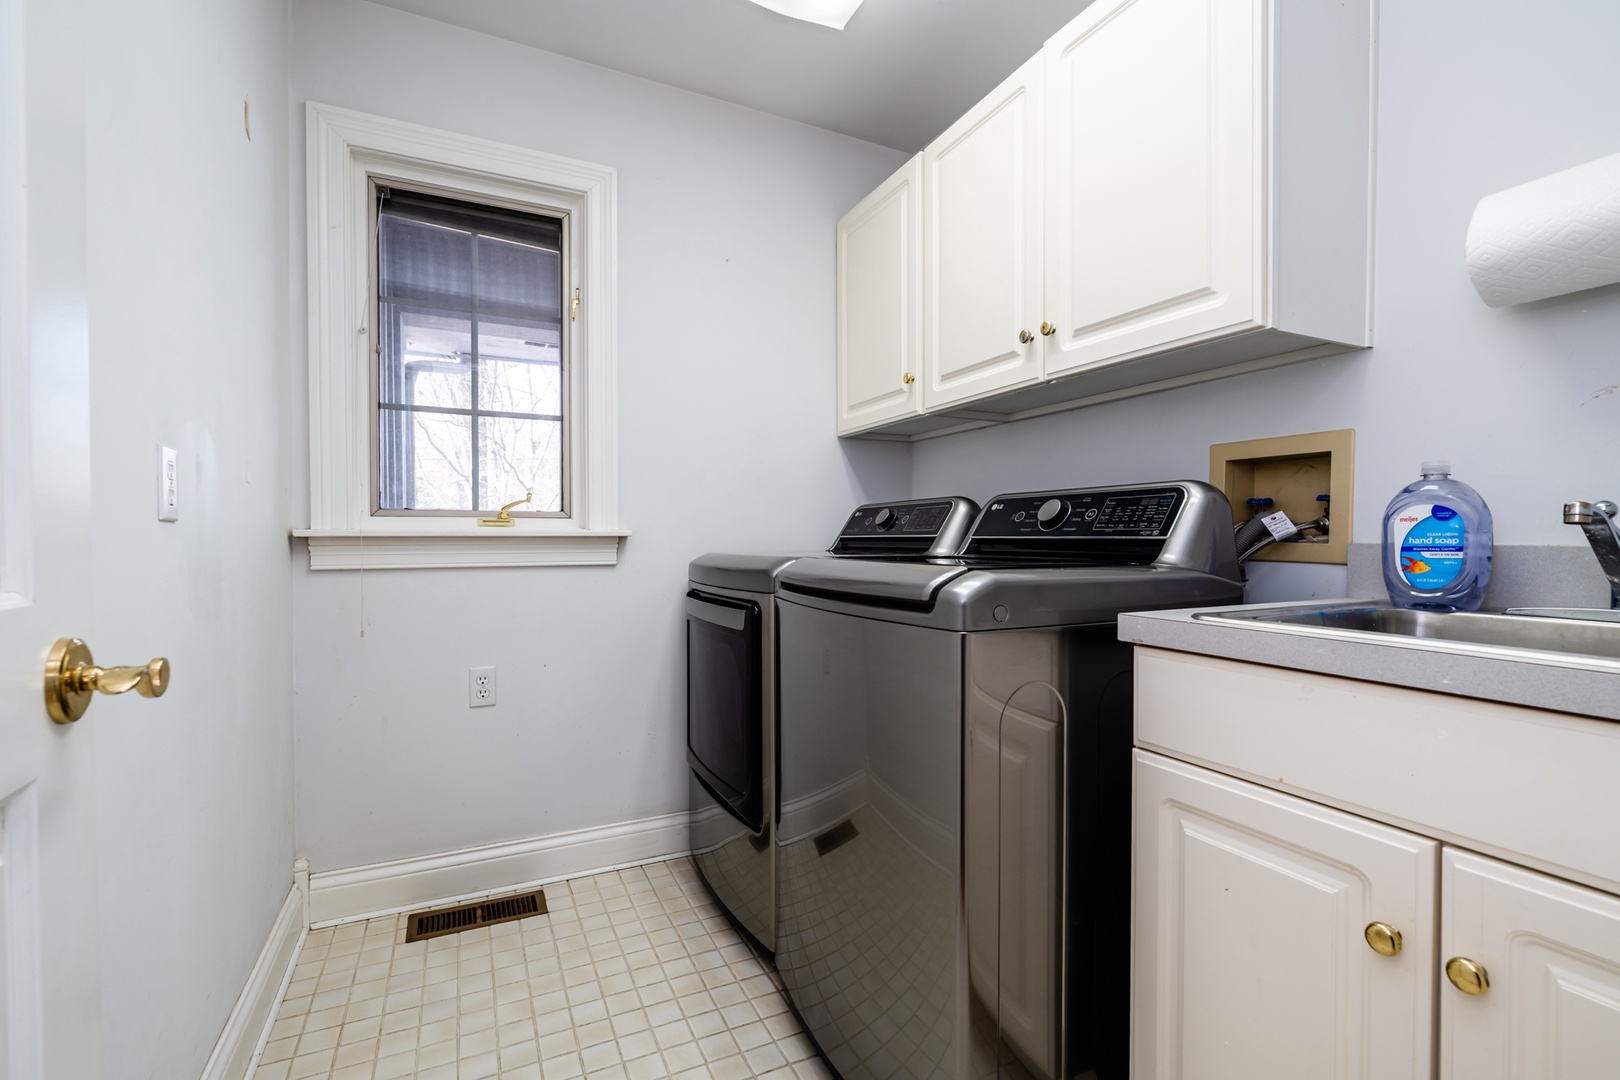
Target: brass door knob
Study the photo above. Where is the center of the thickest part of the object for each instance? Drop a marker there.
(1384, 938)
(1025, 336)
(1467, 976)
(72, 680)
(1048, 329)
(908, 378)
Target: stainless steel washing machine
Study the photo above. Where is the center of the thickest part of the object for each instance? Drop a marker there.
(731, 696)
(953, 846)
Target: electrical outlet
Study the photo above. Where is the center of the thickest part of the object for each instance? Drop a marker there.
(480, 687)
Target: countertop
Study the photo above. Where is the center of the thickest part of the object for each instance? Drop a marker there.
(1586, 686)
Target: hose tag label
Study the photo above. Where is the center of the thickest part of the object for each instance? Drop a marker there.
(1280, 526)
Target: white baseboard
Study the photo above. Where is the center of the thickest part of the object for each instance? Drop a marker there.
(823, 808)
(365, 892)
(237, 1051)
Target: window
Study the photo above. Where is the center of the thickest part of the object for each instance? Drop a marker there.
(470, 367)
(462, 350)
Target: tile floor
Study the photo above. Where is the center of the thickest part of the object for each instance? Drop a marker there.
(631, 974)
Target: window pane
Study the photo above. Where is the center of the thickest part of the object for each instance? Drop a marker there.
(426, 358)
(418, 261)
(516, 456)
(518, 369)
(469, 322)
(440, 460)
(519, 279)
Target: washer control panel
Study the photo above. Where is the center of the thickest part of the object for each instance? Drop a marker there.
(1124, 514)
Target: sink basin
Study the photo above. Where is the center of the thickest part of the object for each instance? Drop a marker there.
(1559, 631)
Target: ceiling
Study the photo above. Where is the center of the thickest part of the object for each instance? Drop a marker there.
(897, 75)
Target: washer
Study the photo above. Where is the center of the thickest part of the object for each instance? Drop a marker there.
(953, 845)
(731, 696)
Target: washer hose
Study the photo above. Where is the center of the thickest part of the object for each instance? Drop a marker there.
(1253, 535)
(1248, 533)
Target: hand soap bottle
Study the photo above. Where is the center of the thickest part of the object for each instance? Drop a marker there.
(1437, 543)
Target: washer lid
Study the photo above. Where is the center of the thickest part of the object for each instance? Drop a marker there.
(893, 581)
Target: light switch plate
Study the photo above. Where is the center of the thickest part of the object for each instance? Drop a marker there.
(168, 486)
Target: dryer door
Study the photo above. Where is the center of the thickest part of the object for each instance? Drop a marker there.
(724, 702)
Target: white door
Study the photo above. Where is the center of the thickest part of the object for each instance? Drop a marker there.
(51, 1023)
(982, 247)
(1548, 1007)
(1250, 951)
(879, 322)
(1154, 177)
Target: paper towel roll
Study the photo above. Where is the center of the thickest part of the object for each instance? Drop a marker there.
(1552, 236)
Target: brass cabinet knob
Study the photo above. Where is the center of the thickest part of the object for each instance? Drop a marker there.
(1467, 976)
(1025, 336)
(1384, 938)
(72, 680)
(1048, 329)
(908, 378)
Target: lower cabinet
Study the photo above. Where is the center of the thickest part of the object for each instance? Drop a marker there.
(1279, 939)
(1250, 957)
(1548, 1003)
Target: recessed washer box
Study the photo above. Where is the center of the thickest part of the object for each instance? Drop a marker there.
(1293, 470)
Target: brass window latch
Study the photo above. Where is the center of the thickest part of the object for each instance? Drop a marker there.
(574, 316)
(504, 518)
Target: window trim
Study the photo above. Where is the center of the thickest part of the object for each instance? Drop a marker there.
(346, 151)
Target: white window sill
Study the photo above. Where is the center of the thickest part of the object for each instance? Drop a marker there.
(412, 545)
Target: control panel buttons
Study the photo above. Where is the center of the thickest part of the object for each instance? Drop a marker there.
(1106, 514)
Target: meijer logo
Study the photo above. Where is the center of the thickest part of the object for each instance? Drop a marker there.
(1409, 520)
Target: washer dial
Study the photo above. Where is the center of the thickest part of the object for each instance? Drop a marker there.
(1053, 512)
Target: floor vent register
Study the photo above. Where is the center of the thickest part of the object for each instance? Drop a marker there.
(836, 837)
(454, 920)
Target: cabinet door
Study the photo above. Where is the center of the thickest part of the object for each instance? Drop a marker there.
(1551, 954)
(982, 246)
(879, 324)
(1249, 955)
(1154, 229)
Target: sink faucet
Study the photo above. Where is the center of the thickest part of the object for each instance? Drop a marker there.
(1597, 521)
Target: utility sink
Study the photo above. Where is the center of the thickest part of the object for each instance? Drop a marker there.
(1563, 631)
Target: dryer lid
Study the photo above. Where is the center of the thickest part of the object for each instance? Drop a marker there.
(744, 573)
(893, 582)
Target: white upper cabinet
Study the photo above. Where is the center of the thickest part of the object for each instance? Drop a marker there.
(981, 246)
(1170, 192)
(1154, 209)
(879, 328)
(1549, 1004)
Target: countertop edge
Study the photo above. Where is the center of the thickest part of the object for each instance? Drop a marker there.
(1561, 688)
